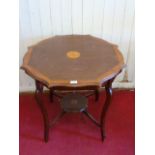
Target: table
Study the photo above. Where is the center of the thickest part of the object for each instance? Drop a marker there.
(73, 63)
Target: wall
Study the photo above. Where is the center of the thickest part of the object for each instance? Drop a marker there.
(112, 20)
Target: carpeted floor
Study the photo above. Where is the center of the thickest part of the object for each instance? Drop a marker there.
(74, 134)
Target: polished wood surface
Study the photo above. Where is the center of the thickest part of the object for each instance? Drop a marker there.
(73, 60)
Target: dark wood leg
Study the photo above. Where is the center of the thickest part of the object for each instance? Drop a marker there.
(38, 94)
(97, 95)
(51, 95)
(108, 89)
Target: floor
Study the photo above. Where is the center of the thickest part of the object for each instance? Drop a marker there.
(75, 134)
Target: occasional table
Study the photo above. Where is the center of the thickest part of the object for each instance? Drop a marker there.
(73, 63)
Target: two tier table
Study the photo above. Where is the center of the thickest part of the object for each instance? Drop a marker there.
(73, 63)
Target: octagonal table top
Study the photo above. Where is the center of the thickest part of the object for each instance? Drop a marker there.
(73, 60)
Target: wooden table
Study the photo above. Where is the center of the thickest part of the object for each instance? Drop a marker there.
(73, 62)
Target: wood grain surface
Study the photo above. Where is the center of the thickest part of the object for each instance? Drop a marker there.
(98, 61)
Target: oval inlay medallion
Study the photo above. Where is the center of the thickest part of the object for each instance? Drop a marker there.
(73, 54)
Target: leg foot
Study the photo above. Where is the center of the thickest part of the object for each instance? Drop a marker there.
(102, 134)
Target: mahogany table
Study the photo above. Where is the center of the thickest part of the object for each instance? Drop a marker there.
(73, 63)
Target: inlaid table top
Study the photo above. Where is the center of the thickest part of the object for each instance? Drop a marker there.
(73, 60)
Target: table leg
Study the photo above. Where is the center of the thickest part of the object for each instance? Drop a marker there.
(51, 95)
(38, 94)
(108, 89)
(97, 95)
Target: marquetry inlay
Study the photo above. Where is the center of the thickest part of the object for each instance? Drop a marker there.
(73, 54)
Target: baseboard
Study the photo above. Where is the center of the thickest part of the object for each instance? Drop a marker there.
(26, 89)
(123, 85)
(129, 85)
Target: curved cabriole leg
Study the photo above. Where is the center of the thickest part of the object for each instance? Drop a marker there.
(38, 94)
(108, 89)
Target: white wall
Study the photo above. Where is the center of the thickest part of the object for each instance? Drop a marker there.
(112, 20)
